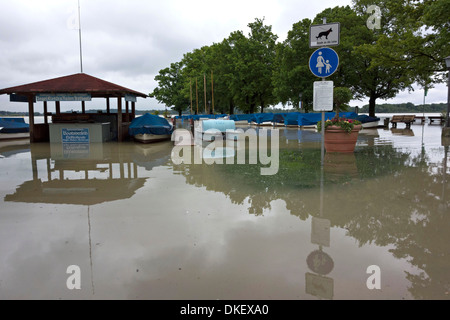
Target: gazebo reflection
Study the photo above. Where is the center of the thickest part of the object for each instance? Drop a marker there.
(79, 174)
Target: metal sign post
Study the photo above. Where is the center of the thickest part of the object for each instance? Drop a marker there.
(323, 63)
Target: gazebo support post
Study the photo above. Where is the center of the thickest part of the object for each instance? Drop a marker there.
(83, 107)
(119, 119)
(31, 116)
(127, 114)
(108, 109)
(133, 110)
(58, 108)
(45, 113)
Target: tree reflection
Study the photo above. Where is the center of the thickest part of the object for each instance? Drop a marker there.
(382, 196)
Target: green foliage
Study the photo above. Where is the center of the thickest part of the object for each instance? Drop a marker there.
(341, 97)
(292, 78)
(252, 72)
(170, 85)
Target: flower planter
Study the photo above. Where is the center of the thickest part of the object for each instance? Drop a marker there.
(339, 140)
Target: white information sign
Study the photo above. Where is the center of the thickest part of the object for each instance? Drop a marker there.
(323, 96)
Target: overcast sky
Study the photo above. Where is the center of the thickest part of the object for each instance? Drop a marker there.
(128, 41)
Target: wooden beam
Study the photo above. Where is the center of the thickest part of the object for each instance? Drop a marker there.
(108, 109)
(127, 111)
(31, 116)
(58, 108)
(133, 110)
(119, 119)
(45, 113)
(83, 107)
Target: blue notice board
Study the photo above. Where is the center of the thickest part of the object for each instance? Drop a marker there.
(75, 135)
(324, 62)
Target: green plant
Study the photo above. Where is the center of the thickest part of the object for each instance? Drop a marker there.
(344, 123)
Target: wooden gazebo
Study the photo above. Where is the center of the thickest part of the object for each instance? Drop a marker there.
(77, 87)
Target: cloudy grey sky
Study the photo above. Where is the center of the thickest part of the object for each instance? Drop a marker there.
(128, 41)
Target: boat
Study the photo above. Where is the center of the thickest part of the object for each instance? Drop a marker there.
(150, 128)
(368, 122)
(208, 130)
(14, 125)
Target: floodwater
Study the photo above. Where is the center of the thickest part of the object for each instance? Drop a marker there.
(140, 227)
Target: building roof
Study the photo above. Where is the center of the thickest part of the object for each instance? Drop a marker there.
(76, 83)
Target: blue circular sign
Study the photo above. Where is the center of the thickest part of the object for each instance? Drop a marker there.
(324, 62)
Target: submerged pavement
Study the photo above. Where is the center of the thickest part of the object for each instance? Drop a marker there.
(137, 226)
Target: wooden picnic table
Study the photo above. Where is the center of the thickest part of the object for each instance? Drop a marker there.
(436, 118)
(408, 119)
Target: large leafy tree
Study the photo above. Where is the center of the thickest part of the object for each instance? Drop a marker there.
(359, 68)
(169, 90)
(252, 62)
(410, 46)
(292, 78)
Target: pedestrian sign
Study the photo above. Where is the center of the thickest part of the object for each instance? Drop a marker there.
(324, 62)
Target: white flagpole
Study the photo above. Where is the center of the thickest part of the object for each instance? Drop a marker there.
(79, 33)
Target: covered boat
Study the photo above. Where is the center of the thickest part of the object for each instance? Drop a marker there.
(150, 128)
(368, 122)
(14, 125)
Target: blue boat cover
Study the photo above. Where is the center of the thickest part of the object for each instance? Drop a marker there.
(309, 119)
(365, 118)
(241, 117)
(150, 124)
(201, 116)
(288, 118)
(14, 125)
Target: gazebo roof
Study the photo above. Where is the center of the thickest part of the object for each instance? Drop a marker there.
(76, 83)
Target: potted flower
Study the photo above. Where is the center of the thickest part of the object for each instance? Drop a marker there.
(341, 134)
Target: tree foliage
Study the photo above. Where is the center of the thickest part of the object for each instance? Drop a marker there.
(252, 72)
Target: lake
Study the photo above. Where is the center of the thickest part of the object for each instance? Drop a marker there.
(139, 226)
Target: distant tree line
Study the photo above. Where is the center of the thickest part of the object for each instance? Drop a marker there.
(252, 72)
(406, 108)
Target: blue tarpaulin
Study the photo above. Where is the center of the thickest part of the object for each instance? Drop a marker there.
(14, 125)
(150, 124)
(309, 119)
(288, 118)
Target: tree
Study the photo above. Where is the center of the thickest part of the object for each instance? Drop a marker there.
(252, 60)
(341, 97)
(292, 79)
(410, 46)
(359, 68)
(169, 90)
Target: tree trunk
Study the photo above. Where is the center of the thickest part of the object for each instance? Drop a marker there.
(372, 103)
(231, 110)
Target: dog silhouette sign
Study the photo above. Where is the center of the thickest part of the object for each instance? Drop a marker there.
(324, 35)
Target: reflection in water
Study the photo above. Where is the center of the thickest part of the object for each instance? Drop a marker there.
(404, 132)
(381, 195)
(86, 174)
(159, 230)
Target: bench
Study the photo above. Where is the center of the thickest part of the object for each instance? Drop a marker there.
(403, 119)
(436, 118)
